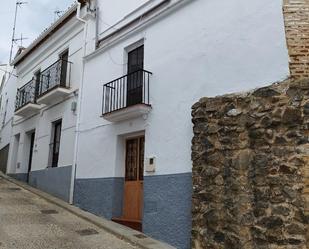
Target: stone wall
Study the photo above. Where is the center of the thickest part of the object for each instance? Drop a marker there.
(296, 14)
(250, 157)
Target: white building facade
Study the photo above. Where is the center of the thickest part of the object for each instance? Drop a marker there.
(7, 103)
(154, 60)
(137, 66)
(43, 129)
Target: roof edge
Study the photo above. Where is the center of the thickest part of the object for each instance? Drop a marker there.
(46, 33)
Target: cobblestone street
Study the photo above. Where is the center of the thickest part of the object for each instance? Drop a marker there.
(29, 222)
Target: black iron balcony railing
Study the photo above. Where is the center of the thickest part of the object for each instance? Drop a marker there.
(25, 95)
(57, 75)
(126, 91)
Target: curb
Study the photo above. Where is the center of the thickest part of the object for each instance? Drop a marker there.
(134, 237)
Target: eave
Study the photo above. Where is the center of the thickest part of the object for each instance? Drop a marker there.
(47, 33)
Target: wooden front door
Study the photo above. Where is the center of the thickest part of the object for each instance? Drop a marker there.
(133, 189)
(135, 76)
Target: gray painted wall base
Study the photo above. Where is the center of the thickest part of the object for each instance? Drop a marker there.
(167, 204)
(167, 209)
(101, 196)
(19, 176)
(55, 181)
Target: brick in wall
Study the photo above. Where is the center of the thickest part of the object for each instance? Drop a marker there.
(296, 17)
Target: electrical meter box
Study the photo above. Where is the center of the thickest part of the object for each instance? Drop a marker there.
(150, 164)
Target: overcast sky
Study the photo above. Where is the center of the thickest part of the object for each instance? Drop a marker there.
(32, 19)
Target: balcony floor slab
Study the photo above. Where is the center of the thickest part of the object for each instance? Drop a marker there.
(28, 109)
(54, 95)
(130, 112)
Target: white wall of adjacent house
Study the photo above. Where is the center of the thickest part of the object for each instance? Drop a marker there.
(195, 49)
(7, 107)
(69, 36)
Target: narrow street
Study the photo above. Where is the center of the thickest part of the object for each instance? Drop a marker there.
(29, 222)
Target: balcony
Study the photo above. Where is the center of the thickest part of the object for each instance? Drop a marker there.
(55, 82)
(26, 104)
(126, 97)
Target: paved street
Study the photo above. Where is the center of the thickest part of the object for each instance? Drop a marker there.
(29, 222)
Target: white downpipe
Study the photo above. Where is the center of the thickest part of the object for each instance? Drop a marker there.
(97, 13)
(73, 174)
(78, 13)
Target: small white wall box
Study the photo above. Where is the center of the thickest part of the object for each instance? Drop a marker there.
(150, 164)
(73, 106)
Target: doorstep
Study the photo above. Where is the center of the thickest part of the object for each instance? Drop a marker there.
(134, 224)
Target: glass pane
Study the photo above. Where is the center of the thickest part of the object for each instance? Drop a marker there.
(131, 160)
(141, 158)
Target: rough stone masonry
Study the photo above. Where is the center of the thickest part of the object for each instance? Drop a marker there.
(250, 157)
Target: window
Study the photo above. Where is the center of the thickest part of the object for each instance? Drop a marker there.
(135, 159)
(135, 76)
(55, 144)
(5, 112)
(1, 103)
(64, 57)
(37, 81)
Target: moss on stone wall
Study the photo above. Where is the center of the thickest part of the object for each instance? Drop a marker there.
(250, 169)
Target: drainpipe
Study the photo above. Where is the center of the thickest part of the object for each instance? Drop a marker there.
(79, 6)
(97, 13)
(73, 174)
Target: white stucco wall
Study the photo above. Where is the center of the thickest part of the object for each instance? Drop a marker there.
(8, 95)
(113, 11)
(42, 124)
(70, 36)
(204, 48)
